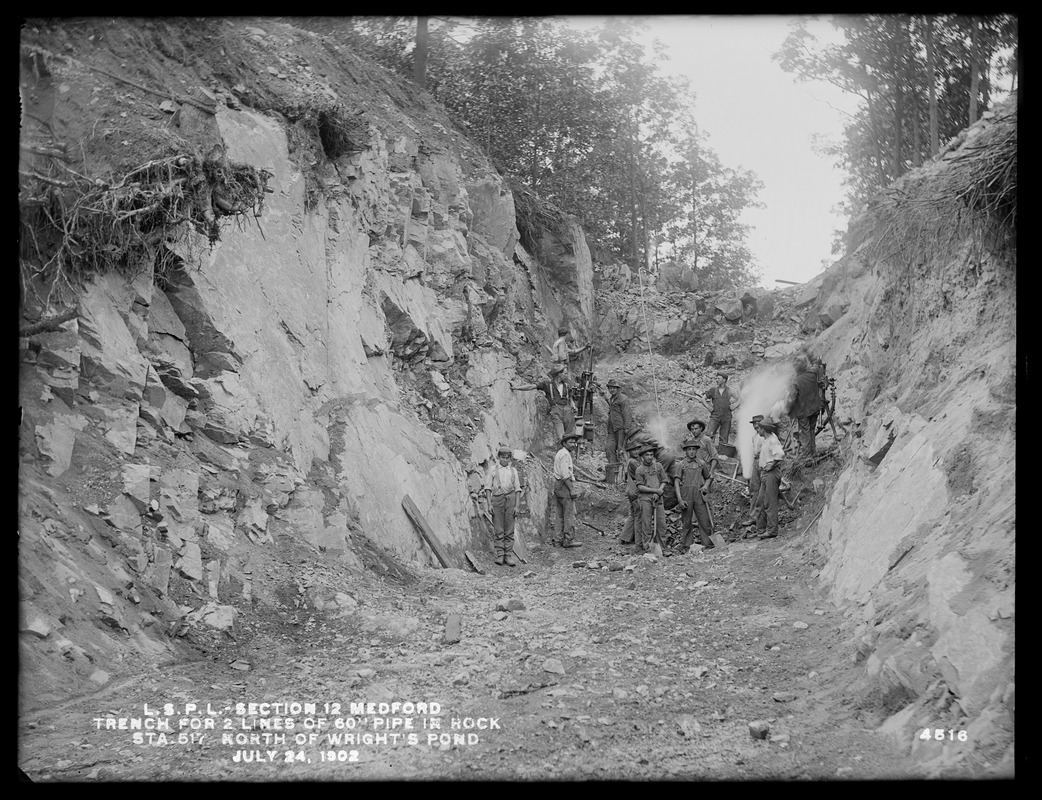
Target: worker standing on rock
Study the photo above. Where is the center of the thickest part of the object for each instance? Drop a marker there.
(562, 352)
(620, 427)
(559, 395)
(631, 530)
(806, 404)
(771, 455)
(651, 481)
(723, 400)
(503, 491)
(693, 474)
(564, 493)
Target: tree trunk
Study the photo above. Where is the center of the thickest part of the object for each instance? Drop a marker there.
(895, 60)
(880, 164)
(911, 71)
(931, 80)
(634, 261)
(974, 69)
(419, 63)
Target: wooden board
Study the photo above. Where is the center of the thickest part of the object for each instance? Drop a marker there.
(473, 559)
(425, 530)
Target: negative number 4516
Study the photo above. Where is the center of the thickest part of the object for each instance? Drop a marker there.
(940, 734)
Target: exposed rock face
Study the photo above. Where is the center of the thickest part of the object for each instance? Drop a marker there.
(287, 370)
(919, 530)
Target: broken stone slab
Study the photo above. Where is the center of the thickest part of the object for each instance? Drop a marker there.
(191, 563)
(214, 615)
(499, 616)
(137, 485)
(57, 439)
(758, 729)
(800, 626)
(620, 694)
(366, 673)
(510, 604)
(784, 697)
(453, 631)
(578, 564)
(123, 515)
(780, 738)
(553, 665)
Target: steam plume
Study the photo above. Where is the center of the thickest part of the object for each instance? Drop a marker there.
(766, 391)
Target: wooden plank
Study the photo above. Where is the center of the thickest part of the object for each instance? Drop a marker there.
(473, 560)
(425, 530)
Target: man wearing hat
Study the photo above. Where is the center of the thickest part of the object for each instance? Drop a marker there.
(754, 472)
(620, 427)
(771, 455)
(503, 491)
(692, 474)
(651, 482)
(559, 395)
(564, 493)
(722, 399)
(631, 530)
(706, 448)
(562, 351)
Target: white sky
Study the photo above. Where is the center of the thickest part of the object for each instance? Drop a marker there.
(758, 117)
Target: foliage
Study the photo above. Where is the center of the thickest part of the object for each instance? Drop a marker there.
(921, 79)
(973, 199)
(589, 124)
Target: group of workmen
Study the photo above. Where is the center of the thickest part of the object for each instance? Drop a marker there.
(655, 479)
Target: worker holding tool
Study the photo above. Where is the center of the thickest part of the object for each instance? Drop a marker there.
(621, 426)
(503, 492)
(650, 481)
(559, 395)
(565, 493)
(771, 455)
(631, 530)
(693, 473)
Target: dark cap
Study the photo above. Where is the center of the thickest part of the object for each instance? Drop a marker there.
(649, 447)
(756, 419)
(562, 331)
(614, 383)
(506, 450)
(689, 443)
(556, 369)
(722, 375)
(696, 422)
(769, 424)
(568, 436)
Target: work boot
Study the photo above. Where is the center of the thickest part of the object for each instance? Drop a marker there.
(573, 543)
(499, 560)
(510, 562)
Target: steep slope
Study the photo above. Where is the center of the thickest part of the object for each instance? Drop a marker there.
(918, 537)
(263, 383)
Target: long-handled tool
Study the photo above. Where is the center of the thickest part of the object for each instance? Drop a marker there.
(588, 525)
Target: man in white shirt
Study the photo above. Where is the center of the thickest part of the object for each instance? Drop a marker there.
(754, 474)
(503, 490)
(565, 494)
(771, 455)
